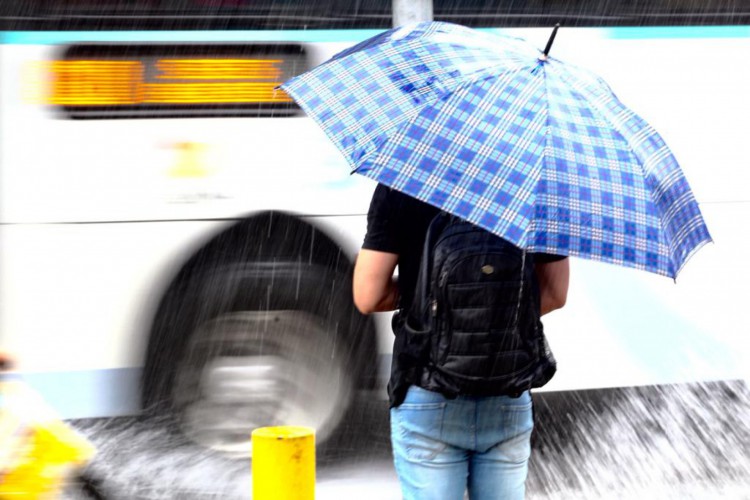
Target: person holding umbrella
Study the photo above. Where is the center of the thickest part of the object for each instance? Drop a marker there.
(504, 138)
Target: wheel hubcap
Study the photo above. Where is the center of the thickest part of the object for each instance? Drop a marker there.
(253, 369)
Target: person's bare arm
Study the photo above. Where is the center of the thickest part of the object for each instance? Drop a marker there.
(553, 280)
(375, 288)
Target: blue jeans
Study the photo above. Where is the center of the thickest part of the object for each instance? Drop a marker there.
(444, 447)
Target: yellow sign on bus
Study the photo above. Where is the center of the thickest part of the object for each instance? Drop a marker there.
(124, 80)
(177, 81)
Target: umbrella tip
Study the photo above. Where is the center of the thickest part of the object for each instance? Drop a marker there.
(545, 53)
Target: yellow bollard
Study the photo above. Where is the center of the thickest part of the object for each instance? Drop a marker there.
(283, 463)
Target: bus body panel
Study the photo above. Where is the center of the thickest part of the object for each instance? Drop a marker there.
(98, 215)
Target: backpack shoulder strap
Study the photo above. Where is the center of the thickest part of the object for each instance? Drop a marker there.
(419, 311)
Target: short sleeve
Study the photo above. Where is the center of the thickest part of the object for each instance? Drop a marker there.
(545, 258)
(383, 221)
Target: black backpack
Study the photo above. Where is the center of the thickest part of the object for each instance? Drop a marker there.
(473, 327)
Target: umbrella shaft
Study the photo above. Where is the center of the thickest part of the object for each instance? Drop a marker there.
(411, 11)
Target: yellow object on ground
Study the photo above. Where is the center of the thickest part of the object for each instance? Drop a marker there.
(283, 463)
(37, 449)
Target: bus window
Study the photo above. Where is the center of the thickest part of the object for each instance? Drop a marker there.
(346, 14)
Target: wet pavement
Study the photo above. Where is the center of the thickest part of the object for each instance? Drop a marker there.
(667, 442)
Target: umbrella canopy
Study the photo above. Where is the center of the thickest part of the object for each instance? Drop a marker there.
(492, 130)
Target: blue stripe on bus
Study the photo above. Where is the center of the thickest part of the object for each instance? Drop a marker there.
(632, 33)
(57, 37)
(87, 394)
(110, 392)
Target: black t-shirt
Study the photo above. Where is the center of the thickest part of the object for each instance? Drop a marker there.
(397, 223)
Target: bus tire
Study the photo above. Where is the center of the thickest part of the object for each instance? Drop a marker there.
(255, 345)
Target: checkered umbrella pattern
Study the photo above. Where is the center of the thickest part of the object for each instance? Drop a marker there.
(539, 152)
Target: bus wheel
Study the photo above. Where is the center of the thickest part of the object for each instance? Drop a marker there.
(248, 369)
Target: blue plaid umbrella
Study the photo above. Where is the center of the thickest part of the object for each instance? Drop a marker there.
(492, 130)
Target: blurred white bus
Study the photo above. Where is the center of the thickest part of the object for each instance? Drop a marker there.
(175, 235)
